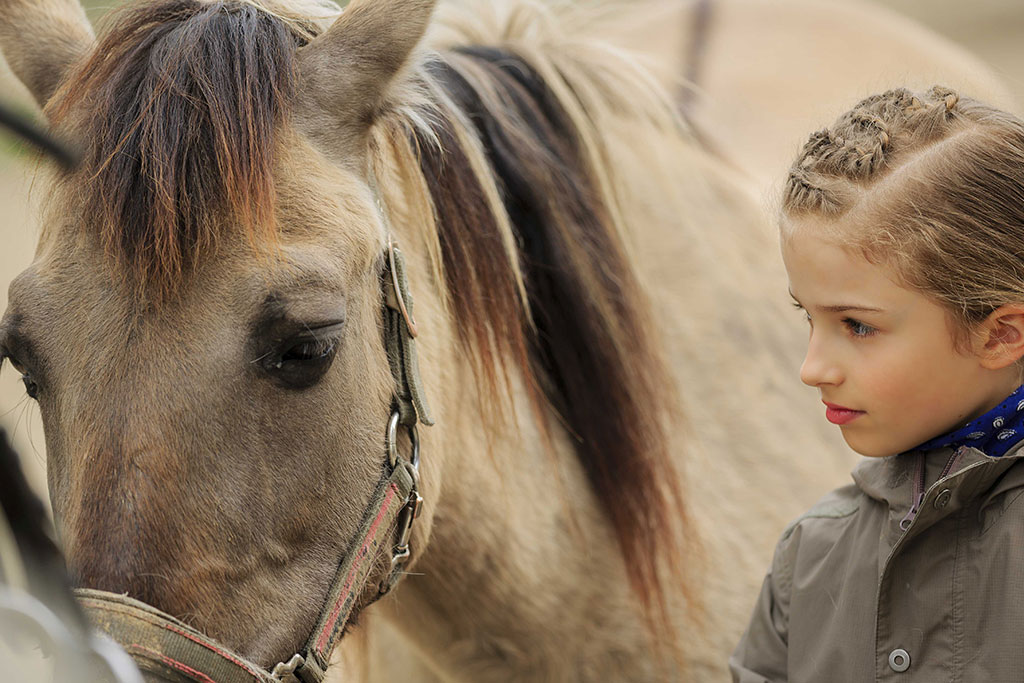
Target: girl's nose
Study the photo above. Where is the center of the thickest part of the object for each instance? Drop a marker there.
(819, 368)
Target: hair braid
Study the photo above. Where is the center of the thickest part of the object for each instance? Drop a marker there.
(952, 226)
(801, 189)
(858, 146)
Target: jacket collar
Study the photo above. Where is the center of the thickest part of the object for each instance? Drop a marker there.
(976, 447)
(892, 479)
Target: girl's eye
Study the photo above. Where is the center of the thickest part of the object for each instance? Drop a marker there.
(857, 328)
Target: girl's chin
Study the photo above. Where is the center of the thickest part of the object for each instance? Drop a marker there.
(868, 448)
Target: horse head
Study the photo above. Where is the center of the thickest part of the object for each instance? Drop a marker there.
(211, 337)
(202, 324)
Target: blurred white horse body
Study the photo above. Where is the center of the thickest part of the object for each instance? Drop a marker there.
(765, 73)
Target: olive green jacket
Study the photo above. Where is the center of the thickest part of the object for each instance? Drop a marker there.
(853, 596)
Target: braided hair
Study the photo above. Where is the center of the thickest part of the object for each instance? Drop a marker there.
(930, 184)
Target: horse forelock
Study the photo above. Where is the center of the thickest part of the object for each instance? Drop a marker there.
(179, 108)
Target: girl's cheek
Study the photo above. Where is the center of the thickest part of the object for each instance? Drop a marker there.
(883, 379)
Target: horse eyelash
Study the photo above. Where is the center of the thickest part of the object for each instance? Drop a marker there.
(259, 358)
(322, 347)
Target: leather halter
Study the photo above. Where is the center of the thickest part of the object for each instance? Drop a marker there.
(165, 646)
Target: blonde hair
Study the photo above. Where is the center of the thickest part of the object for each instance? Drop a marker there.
(934, 184)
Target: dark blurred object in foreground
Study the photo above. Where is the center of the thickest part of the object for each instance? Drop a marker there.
(43, 634)
(45, 142)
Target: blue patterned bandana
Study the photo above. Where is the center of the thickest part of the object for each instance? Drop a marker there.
(994, 433)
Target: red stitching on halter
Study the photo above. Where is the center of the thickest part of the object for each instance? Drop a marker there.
(169, 627)
(226, 655)
(356, 564)
(173, 663)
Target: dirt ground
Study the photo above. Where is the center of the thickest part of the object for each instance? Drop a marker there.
(992, 29)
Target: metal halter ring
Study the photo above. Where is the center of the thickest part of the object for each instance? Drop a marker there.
(414, 438)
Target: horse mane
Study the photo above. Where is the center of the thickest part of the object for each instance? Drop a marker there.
(184, 99)
(535, 257)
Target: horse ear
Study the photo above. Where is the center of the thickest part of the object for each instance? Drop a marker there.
(42, 40)
(346, 73)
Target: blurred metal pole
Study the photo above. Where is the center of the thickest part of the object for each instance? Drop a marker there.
(35, 135)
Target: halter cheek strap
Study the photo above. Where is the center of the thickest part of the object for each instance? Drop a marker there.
(165, 646)
(396, 502)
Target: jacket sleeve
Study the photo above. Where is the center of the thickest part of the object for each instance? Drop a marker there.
(763, 651)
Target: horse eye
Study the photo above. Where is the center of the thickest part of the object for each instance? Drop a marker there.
(310, 351)
(302, 362)
(31, 388)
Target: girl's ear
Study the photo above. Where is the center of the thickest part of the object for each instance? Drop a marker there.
(999, 339)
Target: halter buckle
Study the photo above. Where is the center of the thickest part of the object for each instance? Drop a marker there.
(285, 671)
(408, 515)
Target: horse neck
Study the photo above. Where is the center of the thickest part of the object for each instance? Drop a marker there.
(520, 576)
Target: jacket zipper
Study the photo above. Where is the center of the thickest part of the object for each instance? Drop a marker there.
(919, 487)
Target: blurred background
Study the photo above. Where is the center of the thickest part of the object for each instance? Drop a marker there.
(990, 29)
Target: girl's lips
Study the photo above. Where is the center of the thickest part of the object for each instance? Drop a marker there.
(840, 415)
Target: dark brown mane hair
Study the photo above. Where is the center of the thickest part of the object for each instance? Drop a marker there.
(178, 107)
(584, 337)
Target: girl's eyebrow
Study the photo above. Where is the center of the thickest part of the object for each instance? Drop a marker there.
(842, 308)
(838, 308)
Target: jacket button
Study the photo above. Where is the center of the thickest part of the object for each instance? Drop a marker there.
(899, 660)
(942, 500)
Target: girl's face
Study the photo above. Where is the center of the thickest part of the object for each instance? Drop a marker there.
(882, 356)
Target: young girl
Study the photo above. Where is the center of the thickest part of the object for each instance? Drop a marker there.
(903, 237)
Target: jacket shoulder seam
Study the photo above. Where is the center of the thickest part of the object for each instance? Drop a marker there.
(829, 509)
